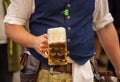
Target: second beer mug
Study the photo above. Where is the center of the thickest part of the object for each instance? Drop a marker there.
(57, 52)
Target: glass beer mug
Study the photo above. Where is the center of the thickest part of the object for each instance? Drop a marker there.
(57, 49)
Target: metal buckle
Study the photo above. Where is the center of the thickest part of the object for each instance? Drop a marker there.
(52, 70)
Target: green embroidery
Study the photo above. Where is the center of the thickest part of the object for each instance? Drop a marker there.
(66, 12)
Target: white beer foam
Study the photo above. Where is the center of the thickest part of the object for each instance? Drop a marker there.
(56, 35)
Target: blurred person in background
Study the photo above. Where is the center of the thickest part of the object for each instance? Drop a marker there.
(9, 51)
(5, 74)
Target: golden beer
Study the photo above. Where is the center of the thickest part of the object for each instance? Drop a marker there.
(57, 54)
(57, 50)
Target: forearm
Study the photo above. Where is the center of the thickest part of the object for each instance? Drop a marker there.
(109, 40)
(18, 34)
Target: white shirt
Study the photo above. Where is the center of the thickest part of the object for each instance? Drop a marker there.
(3, 38)
(20, 11)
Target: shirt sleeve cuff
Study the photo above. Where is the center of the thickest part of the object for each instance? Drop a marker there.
(103, 22)
(12, 20)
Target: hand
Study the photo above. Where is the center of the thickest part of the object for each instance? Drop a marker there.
(41, 45)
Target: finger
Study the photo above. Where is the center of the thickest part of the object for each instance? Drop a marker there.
(43, 51)
(45, 36)
(44, 54)
(43, 46)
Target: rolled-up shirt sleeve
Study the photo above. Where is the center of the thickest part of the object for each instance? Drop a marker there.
(101, 16)
(19, 12)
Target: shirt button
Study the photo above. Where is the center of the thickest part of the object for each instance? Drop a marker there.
(68, 17)
(68, 5)
(68, 40)
(69, 28)
(68, 52)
